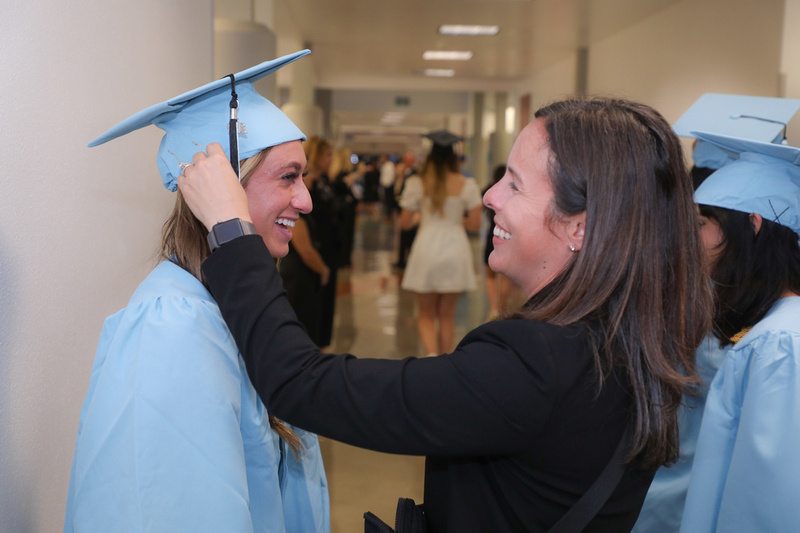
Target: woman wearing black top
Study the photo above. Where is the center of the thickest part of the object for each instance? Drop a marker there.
(596, 223)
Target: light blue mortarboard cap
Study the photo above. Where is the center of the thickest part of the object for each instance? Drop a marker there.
(757, 118)
(201, 116)
(764, 178)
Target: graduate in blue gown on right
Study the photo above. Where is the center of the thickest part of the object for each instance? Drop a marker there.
(746, 471)
(753, 118)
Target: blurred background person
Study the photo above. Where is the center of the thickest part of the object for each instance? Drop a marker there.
(343, 176)
(388, 176)
(326, 214)
(446, 205)
(372, 183)
(405, 169)
(498, 286)
(307, 273)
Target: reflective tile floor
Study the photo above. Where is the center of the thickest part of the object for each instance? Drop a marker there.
(375, 318)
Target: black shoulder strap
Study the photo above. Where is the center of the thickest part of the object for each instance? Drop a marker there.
(587, 507)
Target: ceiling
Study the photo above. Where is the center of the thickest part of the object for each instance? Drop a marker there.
(378, 44)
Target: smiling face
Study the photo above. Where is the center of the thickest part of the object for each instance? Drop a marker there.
(530, 246)
(276, 195)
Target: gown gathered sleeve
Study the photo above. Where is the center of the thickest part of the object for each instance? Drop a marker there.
(746, 473)
(483, 398)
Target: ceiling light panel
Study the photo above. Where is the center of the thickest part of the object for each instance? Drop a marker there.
(463, 29)
(447, 55)
(439, 72)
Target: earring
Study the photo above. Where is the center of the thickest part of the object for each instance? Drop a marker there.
(571, 248)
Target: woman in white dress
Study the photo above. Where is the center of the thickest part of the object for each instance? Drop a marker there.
(440, 266)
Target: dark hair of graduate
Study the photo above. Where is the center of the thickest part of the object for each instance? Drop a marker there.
(752, 271)
(639, 274)
(184, 242)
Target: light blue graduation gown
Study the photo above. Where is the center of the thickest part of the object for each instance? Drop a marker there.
(746, 474)
(663, 507)
(172, 435)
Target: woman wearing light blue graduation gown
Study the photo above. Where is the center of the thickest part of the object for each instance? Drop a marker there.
(756, 118)
(746, 473)
(172, 435)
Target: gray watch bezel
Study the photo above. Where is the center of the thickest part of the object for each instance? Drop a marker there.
(223, 232)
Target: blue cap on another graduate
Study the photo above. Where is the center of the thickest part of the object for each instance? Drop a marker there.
(763, 178)
(757, 118)
(202, 116)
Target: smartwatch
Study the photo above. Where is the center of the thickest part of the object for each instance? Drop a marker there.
(223, 232)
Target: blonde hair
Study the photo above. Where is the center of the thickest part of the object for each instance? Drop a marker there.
(341, 162)
(314, 147)
(183, 241)
(439, 164)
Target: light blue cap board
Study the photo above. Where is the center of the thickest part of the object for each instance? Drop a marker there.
(201, 116)
(757, 118)
(763, 178)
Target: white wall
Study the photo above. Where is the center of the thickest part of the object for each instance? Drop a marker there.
(790, 63)
(690, 48)
(78, 226)
(685, 50)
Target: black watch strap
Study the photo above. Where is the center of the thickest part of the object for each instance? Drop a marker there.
(223, 232)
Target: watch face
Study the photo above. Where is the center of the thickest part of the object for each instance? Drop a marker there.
(228, 230)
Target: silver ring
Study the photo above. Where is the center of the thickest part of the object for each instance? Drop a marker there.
(184, 166)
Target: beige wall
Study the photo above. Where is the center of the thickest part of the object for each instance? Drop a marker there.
(688, 49)
(693, 47)
(78, 226)
(790, 63)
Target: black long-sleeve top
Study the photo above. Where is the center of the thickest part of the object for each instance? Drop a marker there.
(512, 423)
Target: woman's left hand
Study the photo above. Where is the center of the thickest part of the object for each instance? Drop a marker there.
(211, 188)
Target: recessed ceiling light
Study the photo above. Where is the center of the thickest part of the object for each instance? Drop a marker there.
(464, 29)
(446, 55)
(393, 117)
(438, 72)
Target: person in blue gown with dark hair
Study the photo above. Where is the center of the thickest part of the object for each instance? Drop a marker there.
(746, 471)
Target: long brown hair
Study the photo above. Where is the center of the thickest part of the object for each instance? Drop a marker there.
(640, 271)
(441, 162)
(183, 241)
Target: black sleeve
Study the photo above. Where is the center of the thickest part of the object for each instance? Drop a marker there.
(491, 396)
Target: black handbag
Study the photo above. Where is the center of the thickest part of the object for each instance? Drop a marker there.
(410, 518)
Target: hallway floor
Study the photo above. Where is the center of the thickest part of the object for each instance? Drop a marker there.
(375, 318)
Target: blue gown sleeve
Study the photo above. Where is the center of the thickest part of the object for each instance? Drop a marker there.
(159, 446)
(746, 474)
(662, 510)
(304, 486)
